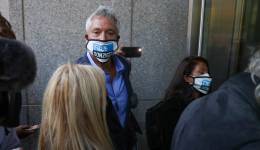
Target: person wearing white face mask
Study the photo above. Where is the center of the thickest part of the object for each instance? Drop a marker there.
(202, 83)
(227, 119)
(102, 36)
(191, 81)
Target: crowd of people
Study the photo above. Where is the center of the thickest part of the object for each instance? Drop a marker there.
(87, 104)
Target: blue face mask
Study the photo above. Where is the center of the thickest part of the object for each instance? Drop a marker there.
(202, 83)
(102, 50)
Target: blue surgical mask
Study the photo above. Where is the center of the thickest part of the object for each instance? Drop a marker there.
(202, 83)
(102, 50)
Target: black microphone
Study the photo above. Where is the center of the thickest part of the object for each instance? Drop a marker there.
(17, 70)
(17, 64)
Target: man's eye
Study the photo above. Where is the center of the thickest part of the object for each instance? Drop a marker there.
(95, 32)
(111, 33)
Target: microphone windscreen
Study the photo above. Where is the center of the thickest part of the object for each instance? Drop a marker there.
(17, 64)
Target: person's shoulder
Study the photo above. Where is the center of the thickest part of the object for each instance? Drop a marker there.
(82, 60)
(240, 84)
(236, 79)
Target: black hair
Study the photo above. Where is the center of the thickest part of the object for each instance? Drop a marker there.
(178, 85)
(6, 28)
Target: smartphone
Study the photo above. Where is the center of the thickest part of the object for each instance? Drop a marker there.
(132, 51)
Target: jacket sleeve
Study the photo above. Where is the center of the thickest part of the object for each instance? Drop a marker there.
(133, 99)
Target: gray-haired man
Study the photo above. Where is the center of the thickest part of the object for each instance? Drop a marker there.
(102, 35)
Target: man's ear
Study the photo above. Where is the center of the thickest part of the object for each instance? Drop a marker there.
(188, 79)
(86, 36)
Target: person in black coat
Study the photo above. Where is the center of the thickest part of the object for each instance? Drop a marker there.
(226, 119)
(191, 80)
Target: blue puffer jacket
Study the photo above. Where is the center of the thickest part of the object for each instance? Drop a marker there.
(227, 119)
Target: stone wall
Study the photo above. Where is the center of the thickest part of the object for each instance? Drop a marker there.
(4, 8)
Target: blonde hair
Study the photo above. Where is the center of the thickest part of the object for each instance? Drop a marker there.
(74, 110)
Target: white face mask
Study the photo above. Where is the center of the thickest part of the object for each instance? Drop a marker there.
(102, 50)
(202, 83)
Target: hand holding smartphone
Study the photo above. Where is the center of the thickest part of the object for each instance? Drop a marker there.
(132, 51)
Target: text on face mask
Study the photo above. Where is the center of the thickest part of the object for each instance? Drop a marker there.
(205, 85)
(103, 48)
(102, 55)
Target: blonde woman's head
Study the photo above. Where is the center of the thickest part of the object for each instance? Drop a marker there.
(74, 110)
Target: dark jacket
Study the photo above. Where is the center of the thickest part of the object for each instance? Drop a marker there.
(160, 122)
(10, 106)
(124, 138)
(227, 119)
(162, 118)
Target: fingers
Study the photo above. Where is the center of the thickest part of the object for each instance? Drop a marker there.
(119, 51)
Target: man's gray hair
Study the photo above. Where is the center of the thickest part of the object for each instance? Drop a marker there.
(104, 11)
(254, 64)
(254, 69)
